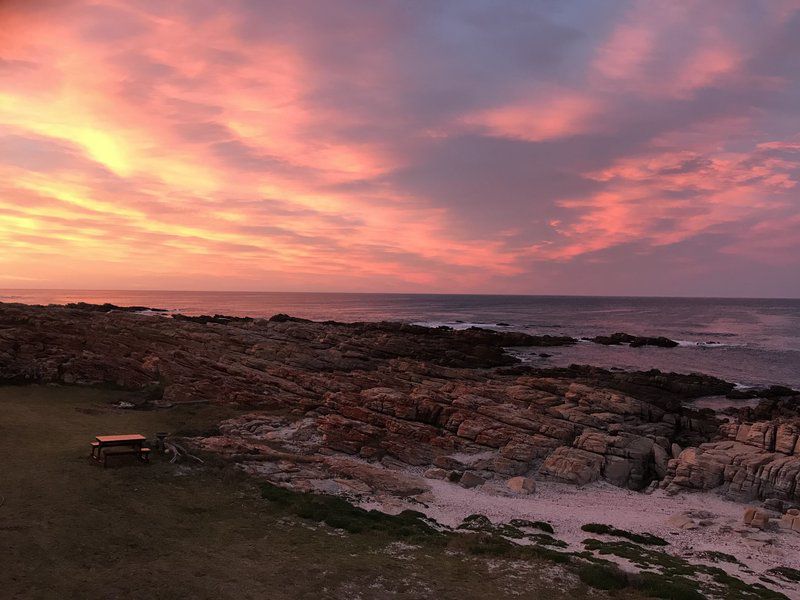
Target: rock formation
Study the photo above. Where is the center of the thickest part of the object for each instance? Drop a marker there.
(370, 407)
(634, 341)
(752, 461)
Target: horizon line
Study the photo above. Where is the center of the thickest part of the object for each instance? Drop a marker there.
(621, 296)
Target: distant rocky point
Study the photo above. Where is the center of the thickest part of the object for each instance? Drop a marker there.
(108, 307)
(634, 341)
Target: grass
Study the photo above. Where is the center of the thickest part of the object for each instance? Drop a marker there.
(639, 538)
(71, 529)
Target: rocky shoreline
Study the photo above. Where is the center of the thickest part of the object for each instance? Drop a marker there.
(393, 414)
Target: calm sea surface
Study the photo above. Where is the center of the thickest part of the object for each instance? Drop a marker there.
(751, 342)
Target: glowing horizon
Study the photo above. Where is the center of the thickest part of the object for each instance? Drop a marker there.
(466, 147)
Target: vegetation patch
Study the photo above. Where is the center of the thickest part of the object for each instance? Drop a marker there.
(673, 588)
(786, 573)
(639, 538)
(340, 514)
(603, 577)
(714, 556)
(667, 577)
(514, 530)
(476, 523)
(491, 544)
(542, 525)
(510, 531)
(547, 540)
(488, 545)
(711, 581)
(545, 553)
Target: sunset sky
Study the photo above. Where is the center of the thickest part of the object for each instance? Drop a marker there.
(576, 147)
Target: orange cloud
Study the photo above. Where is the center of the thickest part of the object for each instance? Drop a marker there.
(688, 192)
(274, 146)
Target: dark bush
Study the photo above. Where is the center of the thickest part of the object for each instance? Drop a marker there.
(639, 538)
(544, 526)
(671, 588)
(603, 577)
(339, 513)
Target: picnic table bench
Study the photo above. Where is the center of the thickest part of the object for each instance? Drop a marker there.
(119, 445)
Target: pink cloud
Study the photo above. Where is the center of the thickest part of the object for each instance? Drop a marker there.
(286, 146)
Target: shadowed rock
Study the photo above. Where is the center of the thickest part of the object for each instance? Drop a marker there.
(634, 341)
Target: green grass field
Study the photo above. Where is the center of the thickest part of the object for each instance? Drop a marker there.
(71, 529)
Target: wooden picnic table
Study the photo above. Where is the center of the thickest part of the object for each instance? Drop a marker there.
(129, 443)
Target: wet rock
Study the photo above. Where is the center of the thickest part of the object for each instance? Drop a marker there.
(634, 341)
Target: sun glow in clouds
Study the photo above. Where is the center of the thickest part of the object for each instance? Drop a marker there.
(483, 147)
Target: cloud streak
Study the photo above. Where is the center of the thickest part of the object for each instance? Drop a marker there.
(466, 146)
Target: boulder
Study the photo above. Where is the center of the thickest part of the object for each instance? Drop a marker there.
(756, 461)
(682, 521)
(756, 518)
(660, 460)
(790, 520)
(470, 480)
(521, 485)
(435, 473)
(572, 465)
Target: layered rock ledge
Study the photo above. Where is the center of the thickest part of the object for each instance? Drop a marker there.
(367, 408)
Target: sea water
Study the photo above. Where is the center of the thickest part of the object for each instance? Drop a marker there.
(746, 341)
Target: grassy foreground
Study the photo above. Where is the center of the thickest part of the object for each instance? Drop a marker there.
(71, 529)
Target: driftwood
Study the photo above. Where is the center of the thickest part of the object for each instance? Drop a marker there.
(179, 452)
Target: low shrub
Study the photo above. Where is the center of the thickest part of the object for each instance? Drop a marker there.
(639, 538)
(491, 545)
(542, 525)
(339, 513)
(671, 588)
(786, 573)
(603, 577)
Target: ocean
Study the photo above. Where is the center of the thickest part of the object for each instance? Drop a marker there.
(746, 341)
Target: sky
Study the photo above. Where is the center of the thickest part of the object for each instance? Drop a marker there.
(464, 146)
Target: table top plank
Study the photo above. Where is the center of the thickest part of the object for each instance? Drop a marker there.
(130, 437)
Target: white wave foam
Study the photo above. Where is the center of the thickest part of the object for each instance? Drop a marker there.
(459, 326)
(693, 344)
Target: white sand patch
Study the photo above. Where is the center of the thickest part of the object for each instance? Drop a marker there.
(567, 508)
